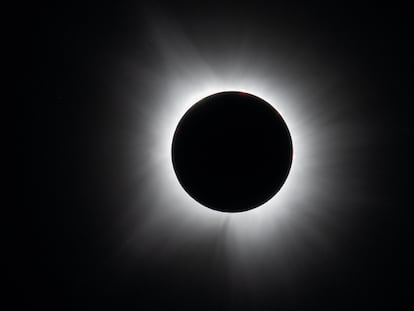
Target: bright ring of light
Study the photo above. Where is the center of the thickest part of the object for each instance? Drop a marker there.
(168, 217)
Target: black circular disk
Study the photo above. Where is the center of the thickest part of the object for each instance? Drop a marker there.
(232, 151)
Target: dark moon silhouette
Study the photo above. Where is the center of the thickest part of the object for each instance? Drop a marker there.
(232, 151)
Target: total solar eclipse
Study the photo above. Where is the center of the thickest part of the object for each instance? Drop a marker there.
(232, 151)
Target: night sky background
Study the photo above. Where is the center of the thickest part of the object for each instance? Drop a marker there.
(78, 187)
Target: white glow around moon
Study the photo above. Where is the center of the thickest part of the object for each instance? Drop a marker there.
(296, 222)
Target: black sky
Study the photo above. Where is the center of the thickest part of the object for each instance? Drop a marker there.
(76, 193)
